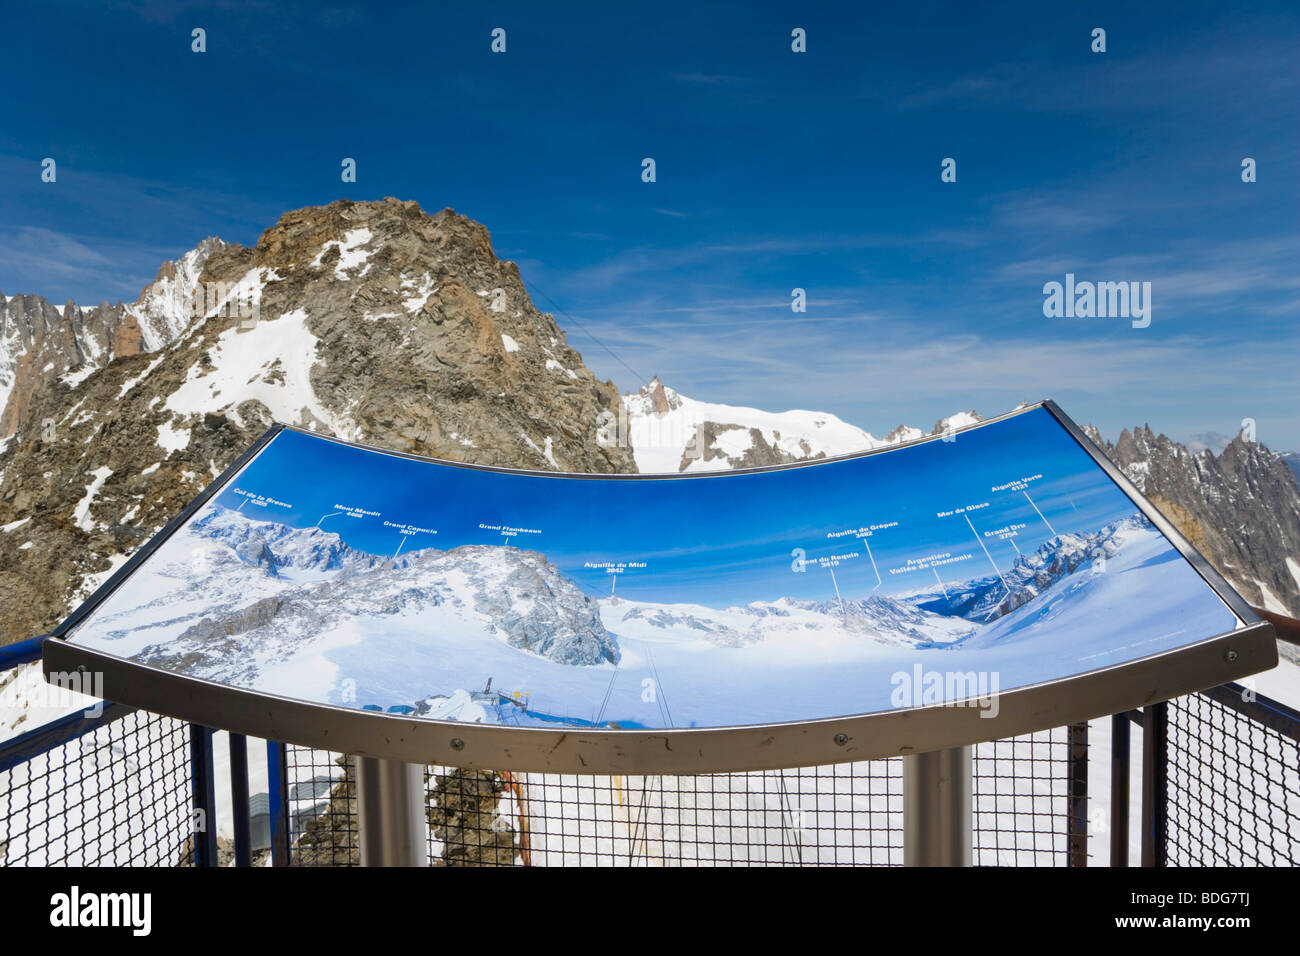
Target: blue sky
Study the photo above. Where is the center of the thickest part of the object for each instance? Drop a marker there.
(775, 170)
(721, 541)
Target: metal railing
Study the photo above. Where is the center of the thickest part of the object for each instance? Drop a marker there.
(1219, 772)
(112, 790)
(1221, 809)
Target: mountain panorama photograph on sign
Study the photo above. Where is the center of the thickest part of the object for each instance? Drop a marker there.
(348, 576)
(696, 434)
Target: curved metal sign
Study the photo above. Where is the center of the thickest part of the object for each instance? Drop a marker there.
(999, 579)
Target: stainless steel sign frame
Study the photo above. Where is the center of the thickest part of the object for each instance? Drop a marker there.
(1247, 650)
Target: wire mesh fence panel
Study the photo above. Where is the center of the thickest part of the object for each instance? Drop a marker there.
(848, 814)
(322, 809)
(121, 796)
(1233, 788)
(845, 814)
(117, 796)
(1021, 792)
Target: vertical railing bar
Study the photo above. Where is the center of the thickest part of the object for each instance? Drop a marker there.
(1155, 785)
(204, 821)
(239, 804)
(277, 766)
(1119, 789)
(1077, 821)
(1162, 786)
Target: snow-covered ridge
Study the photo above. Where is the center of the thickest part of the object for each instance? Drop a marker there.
(279, 590)
(786, 621)
(70, 342)
(166, 307)
(277, 548)
(270, 363)
(671, 433)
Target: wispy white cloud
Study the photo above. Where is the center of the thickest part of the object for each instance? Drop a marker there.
(37, 260)
(1201, 272)
(645, 261)
(1164, 72)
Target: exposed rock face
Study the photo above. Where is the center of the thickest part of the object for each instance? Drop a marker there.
(501, 593)
(465, 814)
(539, 609)
(742, 448)
(426, 342)
(1240, 509)
(330, 838)
(1292, 461)
(660, 401)
(40, 342)
(374, 322)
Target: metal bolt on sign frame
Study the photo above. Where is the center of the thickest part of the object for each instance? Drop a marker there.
(392, 820)
(937, 808)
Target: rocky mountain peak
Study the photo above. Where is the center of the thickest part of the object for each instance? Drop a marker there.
(953, 422)
(904, 433)
(167, 306)
(1241, 508)
(420, 335)
(654, 398)
(370, 321)
(40, 342)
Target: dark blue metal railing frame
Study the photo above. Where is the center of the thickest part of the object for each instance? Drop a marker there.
(22, 652)
(277, 767)
(41, 740)
(203, 792)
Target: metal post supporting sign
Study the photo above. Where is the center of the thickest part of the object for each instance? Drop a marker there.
(937, 808)
(392, 819)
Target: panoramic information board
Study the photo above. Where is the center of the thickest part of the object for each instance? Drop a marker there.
(967, 566)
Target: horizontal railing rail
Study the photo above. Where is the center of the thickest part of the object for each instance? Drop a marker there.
(21, 652)
(1263, 710)
(43, 739)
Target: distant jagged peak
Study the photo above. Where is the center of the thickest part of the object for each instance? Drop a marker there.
(904, 433)
(41, 342)
(654, 398)
(1212, 498)
(669, 432)
(167, 306)
(954, 422)
(944, 426)
(276, 546)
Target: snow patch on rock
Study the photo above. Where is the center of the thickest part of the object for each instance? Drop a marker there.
(81, 513)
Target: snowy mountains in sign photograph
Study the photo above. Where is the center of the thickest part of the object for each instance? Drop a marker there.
(483, 621)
